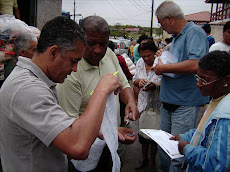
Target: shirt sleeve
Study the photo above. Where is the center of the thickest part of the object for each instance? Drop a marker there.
(197, 45)
(70, 96)
(38, 112)
(215, 152)
(124, 67)
(15, 4)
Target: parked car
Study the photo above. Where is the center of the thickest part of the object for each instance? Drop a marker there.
(121, 45)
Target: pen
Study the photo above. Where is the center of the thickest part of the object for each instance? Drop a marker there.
(113, 74)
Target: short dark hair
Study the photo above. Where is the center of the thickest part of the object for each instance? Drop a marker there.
(226, 26)
(111, 45)
(60, 31)
(141, 38)
(147, 44)
(95, 24)
(206, 28)
(216, 61)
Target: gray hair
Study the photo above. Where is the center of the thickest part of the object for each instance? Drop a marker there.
(22, 42)
(95, 24)
(169, 8)
(63, 32)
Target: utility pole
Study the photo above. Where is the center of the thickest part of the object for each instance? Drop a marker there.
(151, 29)
(74, 11)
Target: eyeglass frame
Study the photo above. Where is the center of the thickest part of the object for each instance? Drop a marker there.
(204, 82)
(160, 23)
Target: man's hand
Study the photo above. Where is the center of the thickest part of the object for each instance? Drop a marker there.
(131, 108)
(175, 137)
(123, 136)
(158, 68)
(109, 83)
(181, 146)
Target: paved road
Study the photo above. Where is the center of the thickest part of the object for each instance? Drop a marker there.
(132, 154)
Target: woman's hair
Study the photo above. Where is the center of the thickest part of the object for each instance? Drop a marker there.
(216, 61)
(147, 44)
(169, 8)
(141, 38)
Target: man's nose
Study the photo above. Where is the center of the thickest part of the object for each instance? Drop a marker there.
(97, 49)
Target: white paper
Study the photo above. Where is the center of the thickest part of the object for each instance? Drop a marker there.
(110, 130)
(162, 139)
(166, 58)
(110, 133)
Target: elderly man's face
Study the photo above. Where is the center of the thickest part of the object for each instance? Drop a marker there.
(96, 47)
(165, 24)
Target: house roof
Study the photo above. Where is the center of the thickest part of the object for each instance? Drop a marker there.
(133, 29)
(199, 17)
(217, 1)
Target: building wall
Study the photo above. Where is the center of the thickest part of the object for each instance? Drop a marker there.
(47, 10)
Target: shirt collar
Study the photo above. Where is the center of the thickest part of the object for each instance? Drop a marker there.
(187, 26)
(26, 63)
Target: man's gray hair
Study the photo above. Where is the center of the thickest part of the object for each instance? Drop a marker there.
(169, 8)
(95, 24)
(22, 42)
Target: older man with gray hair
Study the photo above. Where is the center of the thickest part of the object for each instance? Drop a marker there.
(25, 45)
(181, 100)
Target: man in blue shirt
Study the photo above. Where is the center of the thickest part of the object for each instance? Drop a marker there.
(181, 99)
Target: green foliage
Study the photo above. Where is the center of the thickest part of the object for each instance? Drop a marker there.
(119, 30)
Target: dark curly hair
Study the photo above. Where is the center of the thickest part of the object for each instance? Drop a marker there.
(216, 61)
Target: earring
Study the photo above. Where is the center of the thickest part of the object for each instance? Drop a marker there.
(225, 85)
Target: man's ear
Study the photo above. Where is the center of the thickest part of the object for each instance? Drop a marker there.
(54, 52)
(227, 80)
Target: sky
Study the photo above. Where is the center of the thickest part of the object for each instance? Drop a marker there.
(128, 12)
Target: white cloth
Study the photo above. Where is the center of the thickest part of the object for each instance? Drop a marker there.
(220, 46)
(110, 133)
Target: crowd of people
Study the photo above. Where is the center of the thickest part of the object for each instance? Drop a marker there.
(66, 85)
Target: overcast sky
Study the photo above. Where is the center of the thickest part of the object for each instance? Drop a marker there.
(132, 12)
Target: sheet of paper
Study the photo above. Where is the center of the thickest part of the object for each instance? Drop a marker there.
(166, 58)
(162, 138)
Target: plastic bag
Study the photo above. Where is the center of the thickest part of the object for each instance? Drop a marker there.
(12, 25)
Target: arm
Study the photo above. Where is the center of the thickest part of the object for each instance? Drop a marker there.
(124, 67)
(77, 139)
(16, 13)
(127, 97)
(212, 153)
(185, 67)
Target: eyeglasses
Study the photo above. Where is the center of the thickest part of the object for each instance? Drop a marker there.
(204, 82)
(160, 23)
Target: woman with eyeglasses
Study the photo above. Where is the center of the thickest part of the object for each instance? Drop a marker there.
(207, 148)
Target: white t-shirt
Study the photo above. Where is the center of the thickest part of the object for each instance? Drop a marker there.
(220, 46)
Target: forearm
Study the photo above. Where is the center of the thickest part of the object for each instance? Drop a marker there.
(127, 96)
(17, 13)
(79, 137)
(183, 68)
